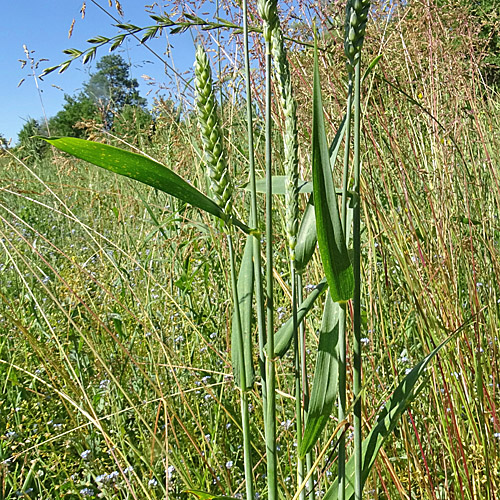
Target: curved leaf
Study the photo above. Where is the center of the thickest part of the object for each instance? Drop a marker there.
(245, 297)
(283, 337)
(142, 169)
(307, 237)
(325, 382)
(386, 422)
(331, 240)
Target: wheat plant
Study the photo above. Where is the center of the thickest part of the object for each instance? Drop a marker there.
(331, 219)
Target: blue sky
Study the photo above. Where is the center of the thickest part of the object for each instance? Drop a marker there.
(43, 25)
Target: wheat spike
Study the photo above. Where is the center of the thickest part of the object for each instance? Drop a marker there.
(268, 11)
(211, 133)
(289, 106)
(355, 26)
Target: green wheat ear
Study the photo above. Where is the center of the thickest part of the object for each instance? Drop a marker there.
(355, 26)
(268, 11)
(290, 160)
(211, 133)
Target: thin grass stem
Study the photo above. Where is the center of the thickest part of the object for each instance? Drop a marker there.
(304, 386)
(272, 480)
(357, 361)
(342, 317)
(342, 399)
(298, 390)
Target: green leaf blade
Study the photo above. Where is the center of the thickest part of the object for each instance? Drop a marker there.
(387, 420)
(279, 185)
(325, 382)
(331, 240)
(306, 237)
(284, 336)
(139, 168)
(245, 287)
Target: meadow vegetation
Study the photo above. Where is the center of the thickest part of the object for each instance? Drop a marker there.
(115, 306)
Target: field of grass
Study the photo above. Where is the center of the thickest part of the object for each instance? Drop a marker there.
(115, 305)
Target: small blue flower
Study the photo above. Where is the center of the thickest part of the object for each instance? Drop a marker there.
(113, 475)
(171, 470)
(152, 483)
(104, 384)
(85, 454)
(87, 492)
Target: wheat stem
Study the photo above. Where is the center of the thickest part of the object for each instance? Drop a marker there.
(268, 12)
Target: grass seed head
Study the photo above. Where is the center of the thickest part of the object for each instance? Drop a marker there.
(289, 106)
(355, 26)
(268, 11)
(211, 133)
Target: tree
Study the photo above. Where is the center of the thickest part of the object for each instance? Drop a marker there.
(29, 148)
(133, 123)
(488, 14)
(76, 109)
(111, 88)
(485, 15)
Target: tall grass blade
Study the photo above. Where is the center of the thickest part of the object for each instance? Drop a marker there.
(331, 240)
(325, 382)
(386, 422)
(245, 297)
(307, 237)
(142, 169)
(283, 337)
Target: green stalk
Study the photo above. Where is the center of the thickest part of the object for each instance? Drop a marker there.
(342, 399)
(357, 362)
(268, 12)
(356, 19)
(478, 368)
(297, 375)
(245, 424)
(342, 319)
(254, 216)
(270, 424)
(304, 386)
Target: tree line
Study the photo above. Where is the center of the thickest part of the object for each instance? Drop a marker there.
(109, 100)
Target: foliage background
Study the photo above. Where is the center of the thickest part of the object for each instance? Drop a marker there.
(115, 359)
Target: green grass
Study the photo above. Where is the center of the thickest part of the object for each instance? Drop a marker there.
(116, 314)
